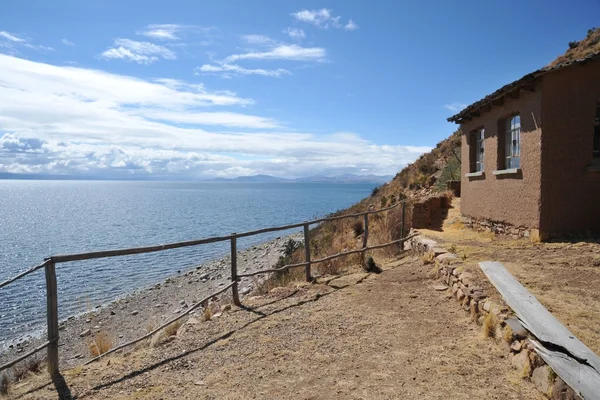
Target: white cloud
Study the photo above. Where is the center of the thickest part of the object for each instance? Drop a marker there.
(11, 37)
(67, 42)
(283, 52)
(455, 107)
(350, 26)
(315, 17)
(226, 70)
(295, 33)
(11, 41)
(70, 120)
(161, 31)
(257, 39)
(323, 18)
(140, 52)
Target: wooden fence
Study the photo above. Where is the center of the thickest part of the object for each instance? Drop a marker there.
(49, 265)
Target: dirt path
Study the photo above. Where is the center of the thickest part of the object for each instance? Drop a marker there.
(563, 274)
(387, 336)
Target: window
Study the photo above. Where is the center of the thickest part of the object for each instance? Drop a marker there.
(479, 135)
(596, 148)
(512, 140)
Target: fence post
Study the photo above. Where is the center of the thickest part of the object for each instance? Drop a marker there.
(234, 276)
(307, 252)
(52, 316)
(366, 233)
(403, 214)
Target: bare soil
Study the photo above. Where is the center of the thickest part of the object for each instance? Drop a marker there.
(386, 336)
(563, 274)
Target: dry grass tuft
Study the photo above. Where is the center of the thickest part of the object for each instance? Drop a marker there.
(171, 330)
(4, 385)
(428, 258)
(207, 314)
(490, 323)
(99, 344)
(507, 334)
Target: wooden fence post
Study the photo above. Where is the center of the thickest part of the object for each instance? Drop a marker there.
(52, 316)
(307, 252)
(403, 214)
(234, 277)
(366, 233)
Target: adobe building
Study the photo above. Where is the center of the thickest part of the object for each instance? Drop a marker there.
(531, 153)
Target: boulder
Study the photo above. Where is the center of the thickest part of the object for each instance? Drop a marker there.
(542, 378)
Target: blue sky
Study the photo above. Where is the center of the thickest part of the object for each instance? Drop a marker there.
(196, 89)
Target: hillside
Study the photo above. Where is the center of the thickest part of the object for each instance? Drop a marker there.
(580, 49)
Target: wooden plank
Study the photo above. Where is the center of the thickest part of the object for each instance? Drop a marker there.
(24, 356)
(366, 232)
(582, 378)
(535, 317)
(149, 334)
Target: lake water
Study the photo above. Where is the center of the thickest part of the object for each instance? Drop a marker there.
(43, 218)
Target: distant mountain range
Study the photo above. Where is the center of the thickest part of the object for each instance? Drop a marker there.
(345, 178)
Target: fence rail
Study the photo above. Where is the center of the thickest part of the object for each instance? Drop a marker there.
(49, 265)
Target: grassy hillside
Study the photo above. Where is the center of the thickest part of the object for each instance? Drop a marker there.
(427, 175)
(581, 49)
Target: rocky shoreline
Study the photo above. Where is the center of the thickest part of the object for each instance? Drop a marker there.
(141, 311)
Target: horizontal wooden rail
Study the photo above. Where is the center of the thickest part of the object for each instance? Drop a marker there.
(303, 264)
(264, 271)
(146, 336)
(169, 246)
(24, 273)
(24, 356)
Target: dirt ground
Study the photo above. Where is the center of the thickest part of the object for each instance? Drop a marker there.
(563, 274)
(386, 336)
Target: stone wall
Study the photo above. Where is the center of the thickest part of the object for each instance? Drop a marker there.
(498, 228)
(425, 213)
(497, 319)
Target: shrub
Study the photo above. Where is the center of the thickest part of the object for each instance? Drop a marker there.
(374, 192)
(371, 266)
(358, 228)
(4, 384)
(428, 258)
(384, 201)
(573, 45)
(99, 344)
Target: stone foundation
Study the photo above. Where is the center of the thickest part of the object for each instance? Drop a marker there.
(497, 318)
(499, 228)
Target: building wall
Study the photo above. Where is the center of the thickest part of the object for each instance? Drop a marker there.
(512, 199)
(570, 192)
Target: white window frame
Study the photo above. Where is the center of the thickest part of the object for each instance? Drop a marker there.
(512, 142)
(479, 149)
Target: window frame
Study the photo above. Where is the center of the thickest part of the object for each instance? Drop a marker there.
(479, 159)
(512, 142)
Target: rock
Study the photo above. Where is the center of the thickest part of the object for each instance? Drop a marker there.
(112, 312)
(542, 378)
(134, 313)
(446, 258)
(87, 321)
(78, 355)
(438, 250)
(182, 302)
(521, 360)
(177, 311)
(85, 333)
(467, 278)
(455, 288)
(199, 383)
(440, 288)
(460, 295)
(517, 329)
(516, 346)
(560, 391)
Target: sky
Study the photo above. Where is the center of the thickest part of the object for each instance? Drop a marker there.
(202, 89)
